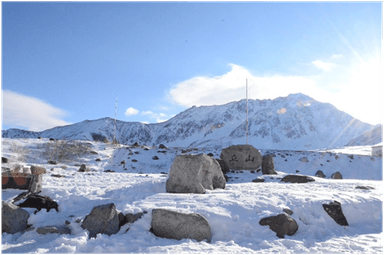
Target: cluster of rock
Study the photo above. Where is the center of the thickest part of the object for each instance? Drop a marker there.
(188, 174)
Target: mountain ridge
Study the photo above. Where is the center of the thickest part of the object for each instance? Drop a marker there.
(293, 122)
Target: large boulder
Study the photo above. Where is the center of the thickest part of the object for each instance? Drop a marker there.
(282, 224)
(194, 174)
(297, 179)
(267, 165)
(14, 219)
(176, 225)
(24, 178)
(103, 219)
(242, 157)
(336, 213)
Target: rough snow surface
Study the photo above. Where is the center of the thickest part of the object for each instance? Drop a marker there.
(233, 213)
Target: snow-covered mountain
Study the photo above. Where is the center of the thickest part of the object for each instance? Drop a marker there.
(295, 122)
(368, 138)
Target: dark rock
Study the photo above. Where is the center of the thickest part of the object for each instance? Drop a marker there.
(134, 160)
(52, 162)
(83, 168)
(162, 146)
(320, 174)
(155, 158)
(297, 179)
(287, 211)
(13, 218)
(39, 202)
(336, 175)
(267, 165)
(62, 230)
(176, 225)
(131, 218)
(4, 160)
(282, 224)
(258, 180)
(194, 174)
(109, 171)
(51, 139)
(161, 151)
(223, 166)
(334, 210)
(297, 171)
(136, 152)
(98, 160)
(364, 187)
(136, 144)
(210, 154)
(58, 175)
(94, 152)
(103, 219)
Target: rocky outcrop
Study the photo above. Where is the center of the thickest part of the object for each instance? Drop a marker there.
(176, 225)
(297, 179)
(194, 174)
(267, 165)
(282, 224)
(335, 212)
(14, 219)
(241, 157)
(103, 219)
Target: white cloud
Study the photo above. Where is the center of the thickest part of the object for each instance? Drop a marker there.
(159, 117)
(231, 87)
(325, 66)
(355, 89)
(131, 111)
(30, 113)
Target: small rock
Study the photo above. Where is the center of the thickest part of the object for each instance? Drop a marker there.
(287, 211)
(52, 162)
(320, 174)
(334, 210)
(162, 146)
(364, 187)
(62, 230)
(258, 180)
(155, 158)
(282, 224)
(83, 168)
(336, 175)
(57, 175)
(304, 159)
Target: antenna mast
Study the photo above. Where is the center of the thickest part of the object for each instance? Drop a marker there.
(246, 126)
(114, 133)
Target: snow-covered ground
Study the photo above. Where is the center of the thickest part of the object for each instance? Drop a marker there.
(233, 213)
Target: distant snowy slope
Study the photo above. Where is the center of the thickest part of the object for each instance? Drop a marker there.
(368, 138)
(294, 122)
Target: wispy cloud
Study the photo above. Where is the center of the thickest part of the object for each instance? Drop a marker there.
(131, 111)
(159, 117)
(325, 66)
(30, 113)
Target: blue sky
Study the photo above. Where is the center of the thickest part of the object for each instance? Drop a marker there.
(64, 62)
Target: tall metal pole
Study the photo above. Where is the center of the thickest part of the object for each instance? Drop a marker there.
(246, 126)
(114, 133)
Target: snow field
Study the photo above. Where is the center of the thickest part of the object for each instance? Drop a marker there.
(233, 213)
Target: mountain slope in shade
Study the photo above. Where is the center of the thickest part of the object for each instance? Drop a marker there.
(368, 138)
(294, 122)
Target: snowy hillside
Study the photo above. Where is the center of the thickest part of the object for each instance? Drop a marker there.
(233, 213)
(296, 122)
(369, 138)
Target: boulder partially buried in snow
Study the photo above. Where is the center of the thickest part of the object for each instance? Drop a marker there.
(282, 224)
(267, 165)
(176, 225)
(103, 219)
(242, 157)
(336, 213)
(297, 179)
(194, 174)
(13, 218)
